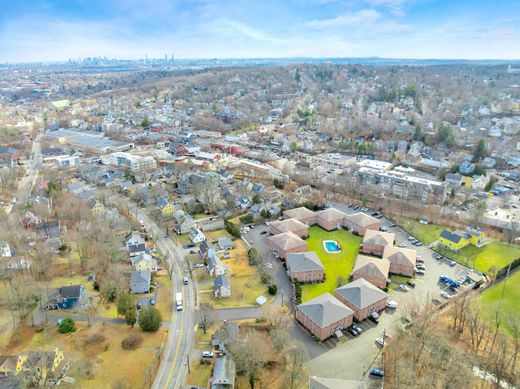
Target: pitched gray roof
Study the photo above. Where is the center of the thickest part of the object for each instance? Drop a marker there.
(140, 277)
(305, 261)
(361, 293)
(325, 310)
(221, 280)
(224, 373)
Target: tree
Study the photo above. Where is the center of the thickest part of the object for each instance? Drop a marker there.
(445, 135)
(418, 133)
(131, 316)
(266, 214)
(256, 199)
(293, 146)
(146, 122)
(67, 325)
(480, 150)
(249, 355)
(295, 375)
(278, 183)
(206, 316)
(150, 319)
(124, 303)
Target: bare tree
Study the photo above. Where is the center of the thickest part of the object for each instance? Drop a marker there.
(249, 355)
(206, 316)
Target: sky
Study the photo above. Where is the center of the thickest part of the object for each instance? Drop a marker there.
(57, 30)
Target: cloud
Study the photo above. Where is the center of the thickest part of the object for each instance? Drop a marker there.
(365, 16)
(503, 31)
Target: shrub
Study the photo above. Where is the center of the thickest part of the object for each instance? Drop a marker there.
(278, 183)
(131, 342)
(131, 316)
(150, 319)
(265, 279)
(232, 229)
(272, 289)
(95, 285)
(247, 219)
(67, 325)
(109, 292)
(95, 339)
(252, 255)
(124, 303)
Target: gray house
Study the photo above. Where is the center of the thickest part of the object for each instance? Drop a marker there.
(222, 286)
(224, 374)
(225, 243)
(184, 222)
(140, 281)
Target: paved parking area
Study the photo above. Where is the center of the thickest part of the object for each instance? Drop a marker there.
(352, 358)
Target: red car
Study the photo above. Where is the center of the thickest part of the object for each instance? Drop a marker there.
(419, 260)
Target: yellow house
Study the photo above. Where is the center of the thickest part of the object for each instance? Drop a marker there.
(97, 208)
(144, 262)
(165, 206)
(457, 240)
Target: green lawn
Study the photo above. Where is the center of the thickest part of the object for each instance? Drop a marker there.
(397, 280)
(426, 233)
(336, 265)
(492, 297)
(487, 259)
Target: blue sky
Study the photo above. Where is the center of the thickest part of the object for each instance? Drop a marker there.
(47, 30)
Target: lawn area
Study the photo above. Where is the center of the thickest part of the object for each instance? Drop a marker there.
(199, 375)
(244, 291)
(487, 259)
(109, 363)
(492, 297)
(336, 265)
(397, 280)
(426, 233)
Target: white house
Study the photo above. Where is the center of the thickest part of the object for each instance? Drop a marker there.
(222, 286)
(196, 235)
(215, 266)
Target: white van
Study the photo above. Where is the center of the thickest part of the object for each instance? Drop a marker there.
(391, 304)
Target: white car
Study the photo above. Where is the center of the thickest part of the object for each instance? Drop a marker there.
(402, 245)
(446, 295)
(404, 287)
(208, 354)
(380, 342)
(392, 304)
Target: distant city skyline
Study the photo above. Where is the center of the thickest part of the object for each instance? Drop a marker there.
(57, 30)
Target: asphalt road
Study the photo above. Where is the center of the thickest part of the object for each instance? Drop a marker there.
(173, 369)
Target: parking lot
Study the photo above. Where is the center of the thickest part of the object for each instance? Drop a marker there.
(359, 354)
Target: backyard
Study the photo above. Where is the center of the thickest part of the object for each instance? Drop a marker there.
(492, 297)
(336, 265)
(487, 259)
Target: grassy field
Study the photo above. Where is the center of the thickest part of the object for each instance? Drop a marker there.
(199, 375)
(397, 280)
(487, 259)
(100, 364)
(336, 265)
(492, 297)
(426, 233)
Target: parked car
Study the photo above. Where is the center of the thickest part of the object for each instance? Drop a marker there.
(263, 233)
(419, 260)
(374, 317)
(420, 272)
(380, 342)
(384, 229)
(391, 304)
(208, 354)
(438, 257)
(152, 301)
(420, 266)
(411, 283)
(358, 329)
(352, 331)
(186, 280)
(452, 263)
(446, 295)
(410, 238)
(198, 265)
(402, 245)
(392, 225)
(422, 221)
(377, 373)
(138, 305)
(404, 288)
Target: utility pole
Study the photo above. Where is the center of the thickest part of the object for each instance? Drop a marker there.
(188, 361)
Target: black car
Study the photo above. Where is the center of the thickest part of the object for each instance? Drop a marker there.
(411, 283)
(263, 233)
(374, 319)
(352, 331)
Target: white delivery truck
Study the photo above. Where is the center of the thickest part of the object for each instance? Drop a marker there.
(178, 300)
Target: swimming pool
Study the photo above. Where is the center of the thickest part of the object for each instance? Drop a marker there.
(331, 246)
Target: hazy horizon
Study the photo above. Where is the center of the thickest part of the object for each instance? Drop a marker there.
(58, 30)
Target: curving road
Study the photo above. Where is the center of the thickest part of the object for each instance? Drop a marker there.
(173, 368)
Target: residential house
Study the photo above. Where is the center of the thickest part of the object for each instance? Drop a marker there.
(144, 262)
(456, 240)
(204, 249)
(226, 335)
(134, 244)
(184, 222)
(375, 241)
(5, 250)
(49, 364)
(96, 207)
(165, 206)
(334, 383)
(360, 222)
(454, 179)
(466, 168)
(362, 297)
(402, 260)
(290, 225)
(50, 229)
(489, 163)
(66, 297)
(302, 214)
(330, 219)
(215, 266)
(480, 183)
(372, 269)
(286, 243)
(305, 267)
(322, 316)
(224, 373)
(224, 243)
(140, 281)
(196, 235)
(221, 286)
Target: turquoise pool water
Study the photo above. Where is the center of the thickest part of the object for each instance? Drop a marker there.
(331, 246)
